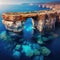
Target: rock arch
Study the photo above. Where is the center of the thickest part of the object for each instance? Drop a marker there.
(39, 19)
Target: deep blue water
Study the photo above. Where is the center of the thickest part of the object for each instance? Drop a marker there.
(54, 45)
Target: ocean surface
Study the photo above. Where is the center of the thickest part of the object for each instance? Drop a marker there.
(53, 45)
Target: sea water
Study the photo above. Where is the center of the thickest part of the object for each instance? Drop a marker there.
(27, 31)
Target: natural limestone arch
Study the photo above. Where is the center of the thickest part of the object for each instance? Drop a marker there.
(34, 21)
(38, 19)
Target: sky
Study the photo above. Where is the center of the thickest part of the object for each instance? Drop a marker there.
(24, 1)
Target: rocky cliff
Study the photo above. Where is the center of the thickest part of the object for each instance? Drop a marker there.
(41, 19)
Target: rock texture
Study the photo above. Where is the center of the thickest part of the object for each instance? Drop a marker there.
(41, 19)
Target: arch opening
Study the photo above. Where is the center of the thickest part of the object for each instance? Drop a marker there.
(28, 29)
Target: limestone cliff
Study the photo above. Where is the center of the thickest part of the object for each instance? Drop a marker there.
(41, 19)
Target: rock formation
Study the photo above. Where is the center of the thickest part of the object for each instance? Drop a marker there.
(40, 19)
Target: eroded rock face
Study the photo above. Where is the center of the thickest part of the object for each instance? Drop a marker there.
(42, 19)
(51, 20)
(46, 21)
(41, 22)
(11, 26)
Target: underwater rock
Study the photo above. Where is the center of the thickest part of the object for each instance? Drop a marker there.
(36, 46)
(41, 57)
(40, 41)
(12, 34)
(36, 52)
(5, 37)
(31, 50)
(27, 50)
(8, 41)
(51, 36)
(36, 49)
(16, 54)
(45, 38)
(45, 51)
(18, 47)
